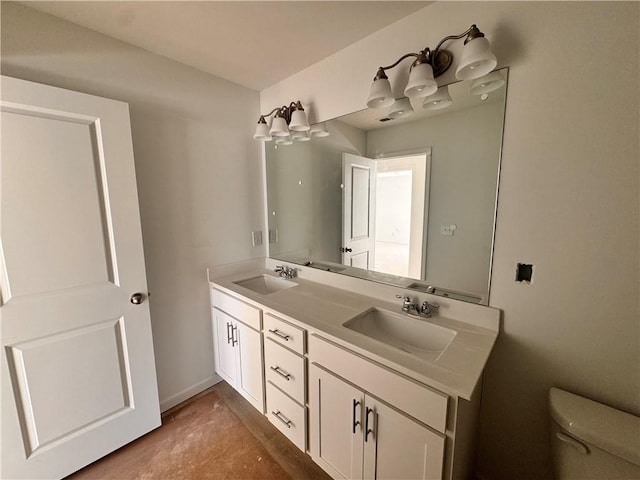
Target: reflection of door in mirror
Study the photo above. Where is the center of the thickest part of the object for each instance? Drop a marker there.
(384, 213)
(358, 211)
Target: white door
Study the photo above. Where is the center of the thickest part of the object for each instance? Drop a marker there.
(399, 447)
(336, 410)
(250, 369)
(358, 211)
(226, 362)
(78, 371)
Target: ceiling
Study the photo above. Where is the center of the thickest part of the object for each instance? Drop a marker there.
(254, 44)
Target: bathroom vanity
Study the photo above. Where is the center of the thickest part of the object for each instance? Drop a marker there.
(336, 365)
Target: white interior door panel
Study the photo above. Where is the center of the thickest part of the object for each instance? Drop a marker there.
(78, 371)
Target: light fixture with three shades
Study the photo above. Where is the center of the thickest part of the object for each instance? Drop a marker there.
(476, 60)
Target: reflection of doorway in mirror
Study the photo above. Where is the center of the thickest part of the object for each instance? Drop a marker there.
(400, 215)
(384, 213)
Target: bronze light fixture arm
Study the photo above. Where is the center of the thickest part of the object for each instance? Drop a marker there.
(441, 59)
(283, 111)
(440, 65)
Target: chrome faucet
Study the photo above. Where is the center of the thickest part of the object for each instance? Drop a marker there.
(285, 272)
(423, 310)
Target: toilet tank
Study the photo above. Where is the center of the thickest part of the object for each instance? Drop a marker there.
(590, 440)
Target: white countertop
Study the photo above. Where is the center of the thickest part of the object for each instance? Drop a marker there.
(323, 309)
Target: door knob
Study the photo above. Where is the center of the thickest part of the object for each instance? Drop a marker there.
(137, 298)
(348, 250)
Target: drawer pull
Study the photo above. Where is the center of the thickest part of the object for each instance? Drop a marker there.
(282, 418)
(367, 430)
(280, 334)
(282, 373)
(355, 422)
(228, 332)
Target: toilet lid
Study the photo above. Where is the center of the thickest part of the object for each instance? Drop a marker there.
(604, 427)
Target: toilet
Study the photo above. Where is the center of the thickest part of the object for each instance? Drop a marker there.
(590, 440)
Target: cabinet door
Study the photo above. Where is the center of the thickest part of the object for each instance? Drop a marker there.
(250, 377)
(336, 414)
(225, 353)
(400, 447)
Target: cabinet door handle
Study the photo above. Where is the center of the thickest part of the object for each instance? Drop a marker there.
(367, 430)
(282, 418)
(228, 332)
(280, 334)
(234, 335)
(355, 422)
(280, 372)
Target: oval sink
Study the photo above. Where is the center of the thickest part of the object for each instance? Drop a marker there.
(265, 284)
(412, 335)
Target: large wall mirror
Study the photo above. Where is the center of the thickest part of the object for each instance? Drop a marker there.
(404, 196)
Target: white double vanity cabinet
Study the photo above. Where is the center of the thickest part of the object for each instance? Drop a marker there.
(367, 390)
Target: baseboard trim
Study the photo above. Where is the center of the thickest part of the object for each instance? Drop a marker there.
(189, 392)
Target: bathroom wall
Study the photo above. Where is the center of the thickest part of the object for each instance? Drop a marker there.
(197, 168)
(568, 202)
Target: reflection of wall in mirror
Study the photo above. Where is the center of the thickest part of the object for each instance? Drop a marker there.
(289, 196)
(465, 155)
(303, 188)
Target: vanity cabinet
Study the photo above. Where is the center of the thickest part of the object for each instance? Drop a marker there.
(356, 435)
(238, 347)
(357, 414)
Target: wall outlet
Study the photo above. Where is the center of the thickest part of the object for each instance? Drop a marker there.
(273, 235)
(448, 229)
(256, 238)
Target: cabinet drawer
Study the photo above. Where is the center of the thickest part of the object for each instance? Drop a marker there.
(287, 416)
(421, 402)
(247, 314)
(285, 369)
(284, 333)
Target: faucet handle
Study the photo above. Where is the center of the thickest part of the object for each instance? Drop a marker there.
(404, 298)
(426, 308)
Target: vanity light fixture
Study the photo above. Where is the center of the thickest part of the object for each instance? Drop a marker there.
(439, 100)
(476, 60)
(401, 108)
(487, 83)
(319, 130)
(289, 123)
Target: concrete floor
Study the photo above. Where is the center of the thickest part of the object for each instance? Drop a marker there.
(215, 435)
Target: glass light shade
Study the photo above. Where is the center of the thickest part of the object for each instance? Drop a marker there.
(487, 83)
(421, 82)
(477, 59)
(401, 108)
(439, 100)
(380, 95)
(319, 130)
(300, 136)
(279, 127)
(299, 122)
(262, 132)
(284, 140)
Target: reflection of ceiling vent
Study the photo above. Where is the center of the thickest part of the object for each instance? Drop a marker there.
(386, 119)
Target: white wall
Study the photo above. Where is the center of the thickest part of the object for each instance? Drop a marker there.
(569, 202)
(198, 171)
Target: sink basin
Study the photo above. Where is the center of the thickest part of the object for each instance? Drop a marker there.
(412, 335)
(265, 284)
